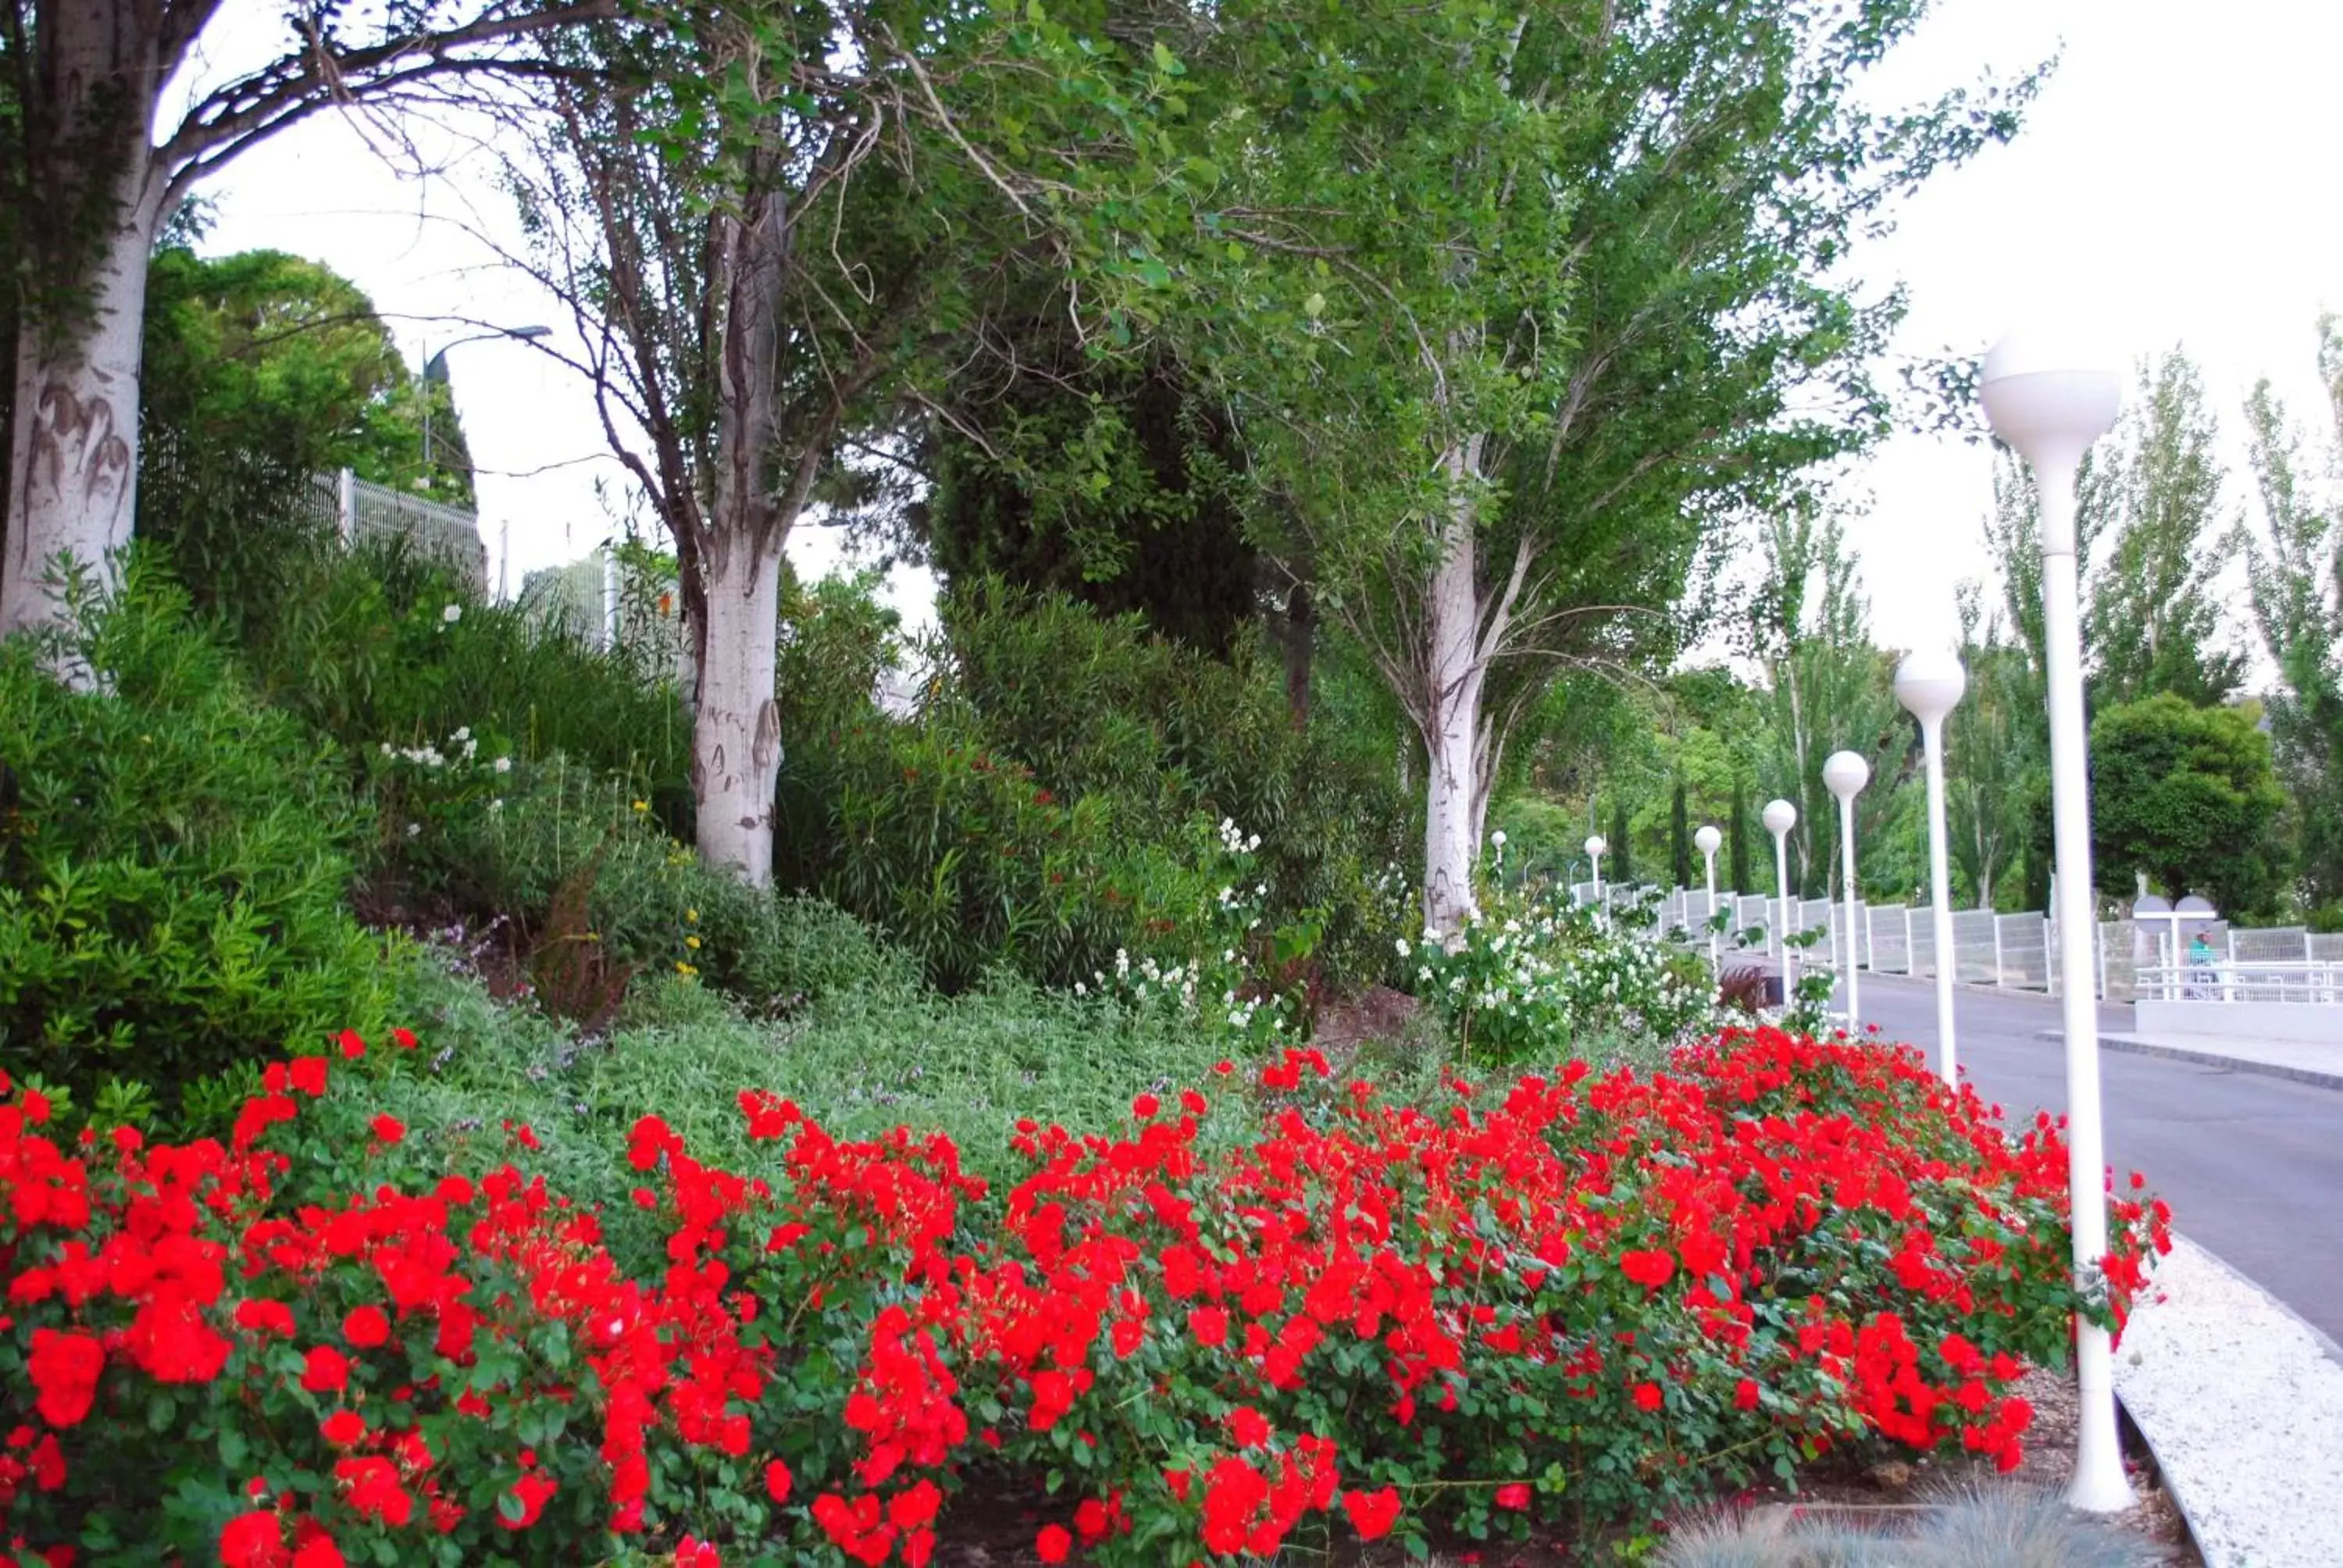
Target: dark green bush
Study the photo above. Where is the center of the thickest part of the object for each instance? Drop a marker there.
(1097, 706)
(175, 860)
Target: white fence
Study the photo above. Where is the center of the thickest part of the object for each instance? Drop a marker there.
(361, 508)
(2014, 952)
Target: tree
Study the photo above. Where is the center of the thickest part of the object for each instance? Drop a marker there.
(1994, 749)
(1827, 690)
(2187, 795)
(1736, 836)
(87, 148)
(1621, 846)
(1680, 838)
(778, 229)
(2156, 623)
(1556, 299)
(2295, 579)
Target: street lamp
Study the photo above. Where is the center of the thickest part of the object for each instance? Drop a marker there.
(1779, 818)
(435, 367)
(2047, 401)
(1929, 685)
(1844, 773)
(1595, 848)
(1707, 842)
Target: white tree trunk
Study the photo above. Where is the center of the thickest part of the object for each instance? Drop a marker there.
(736, 731)
(73, 450)
(1451, 718)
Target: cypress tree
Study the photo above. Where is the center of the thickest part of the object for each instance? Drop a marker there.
(1736, 822)
(1680, 836)
(1622, 868)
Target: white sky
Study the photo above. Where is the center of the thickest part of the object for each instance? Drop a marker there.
(2175, 183)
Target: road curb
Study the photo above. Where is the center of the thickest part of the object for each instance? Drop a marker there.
(2135, 1046)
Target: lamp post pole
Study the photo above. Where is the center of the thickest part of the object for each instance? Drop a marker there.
(1779, 818)
(1708, 841)
(1844, 773)
(1929, 685)
(2049, 403)
(439, 358)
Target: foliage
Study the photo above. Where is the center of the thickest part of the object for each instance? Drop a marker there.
(1977, 1526)
(2295, 576)
(1143, 734)
(2156, 619)
(261, 371)
(175, 858)
(429, 1352)
(1527, 976)
(2187, 795)
(377, 646)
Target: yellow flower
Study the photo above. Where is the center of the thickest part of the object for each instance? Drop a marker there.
(684, 969)
(692, 942)
(691, 915)
(642, 805)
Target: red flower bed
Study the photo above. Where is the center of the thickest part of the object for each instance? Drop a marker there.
(1562, 1299)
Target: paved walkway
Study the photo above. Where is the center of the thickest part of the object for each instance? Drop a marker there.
(2243, 1403)
(2302, 1060)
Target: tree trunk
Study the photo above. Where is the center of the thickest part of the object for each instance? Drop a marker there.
(736, 729)
(1452, 717)
(1300, 640)
(72, 448)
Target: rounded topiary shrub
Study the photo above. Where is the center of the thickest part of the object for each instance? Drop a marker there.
(175, 861)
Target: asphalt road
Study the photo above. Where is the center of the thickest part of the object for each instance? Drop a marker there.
(2251, 1164)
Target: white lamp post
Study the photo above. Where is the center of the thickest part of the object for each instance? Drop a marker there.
(1844, 773)
(2046, 401)
(1595, 848)
(1779, 818)
(1708, 841)
(1929, 685)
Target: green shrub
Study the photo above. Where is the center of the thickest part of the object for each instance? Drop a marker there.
(174, 858)
(1097, 705)
(376, 646)
(492, 842)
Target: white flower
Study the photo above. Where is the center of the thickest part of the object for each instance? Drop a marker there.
(451, 615)
(498, 804)
(466, 732)
(1400, 943)
(503, 764)
(413, 829)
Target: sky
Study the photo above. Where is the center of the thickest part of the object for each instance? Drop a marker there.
(2174, 185)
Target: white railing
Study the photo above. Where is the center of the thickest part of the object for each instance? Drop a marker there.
(2221, 979)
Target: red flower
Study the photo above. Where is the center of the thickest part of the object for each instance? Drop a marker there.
(1514, 1495)
(1372, 1514)
(777, 1480)
(353, 1044)
(327, 1371)
(253, 1540)
(1744, 1394)
(403, 1038)
(263, 1317)
(1650, 1270)
(1248, 1426)
(388, 1128)
(528, 1495)
(65, 1369)
(343, 1428)
(318, 1551)
(1648, 1396)
(367, 1327)
(1210, 1325)
(1052, 1544)
(308, 1075)
(693, 1552)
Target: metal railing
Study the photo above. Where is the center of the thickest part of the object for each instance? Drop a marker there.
(2224, 980)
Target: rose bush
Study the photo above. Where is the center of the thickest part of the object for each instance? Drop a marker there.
(1564, 1300)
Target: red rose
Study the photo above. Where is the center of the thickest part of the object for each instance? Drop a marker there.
(65, 1369)
(327, 1370)
(1514, 1495)
(343, 1428)
(1650, 1270)
(1248, 1426)
(353, 1044)
(1052, 1544)
(1648, 1396)
(1744, 1394)
(263, 1317)
(777, 1480)
(366, 1327)
(403, 1038)
(308, 1075)
(1372, 1514)
(1145, 1106)
(253, 1541)
(388, 1128)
